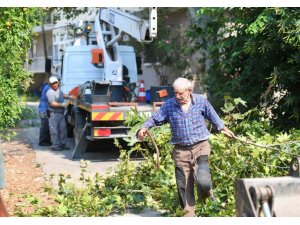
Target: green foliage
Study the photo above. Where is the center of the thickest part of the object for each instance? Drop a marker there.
(171, 45)
(68, 12)
(16, 31)
(232, 159)
(253, 53)
(135, 186)
(15, 36)
(29, 97)
(28, 112)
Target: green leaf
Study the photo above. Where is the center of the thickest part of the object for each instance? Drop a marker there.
(283, 137)
(239, 101)
(62, 210)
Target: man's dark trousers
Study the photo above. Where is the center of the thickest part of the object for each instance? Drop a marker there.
(45, 138)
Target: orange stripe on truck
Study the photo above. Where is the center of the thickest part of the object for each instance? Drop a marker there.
(107, 116)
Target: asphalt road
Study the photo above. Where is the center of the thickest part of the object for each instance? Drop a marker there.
(103, 156)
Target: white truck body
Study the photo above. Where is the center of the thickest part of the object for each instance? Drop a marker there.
(77, 66)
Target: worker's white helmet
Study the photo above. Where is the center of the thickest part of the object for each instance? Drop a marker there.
(53, 80)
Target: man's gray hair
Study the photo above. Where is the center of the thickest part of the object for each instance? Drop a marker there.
(182, 83)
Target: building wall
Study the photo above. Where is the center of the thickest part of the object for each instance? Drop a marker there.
(38, 55)
(149, 77)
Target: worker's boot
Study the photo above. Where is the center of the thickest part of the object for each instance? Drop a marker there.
(65, 147)
(189, 214)
(56, 148)
(212, 196)
(203, 179)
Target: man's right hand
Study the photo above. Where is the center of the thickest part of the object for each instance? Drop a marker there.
(64, 104)
(142, 134)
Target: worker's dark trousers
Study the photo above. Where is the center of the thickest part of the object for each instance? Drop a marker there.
(44, 129)
(191, 166)
(58, 129)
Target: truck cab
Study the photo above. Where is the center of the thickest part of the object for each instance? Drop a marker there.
(78, 69)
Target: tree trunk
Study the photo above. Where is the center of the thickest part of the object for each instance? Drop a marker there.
(44, 43)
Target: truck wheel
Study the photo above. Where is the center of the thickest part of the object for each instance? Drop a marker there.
(68, 125)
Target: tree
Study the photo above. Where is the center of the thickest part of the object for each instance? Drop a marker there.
(15, 37)
(171, 52)
(16, 25)
(253, 53)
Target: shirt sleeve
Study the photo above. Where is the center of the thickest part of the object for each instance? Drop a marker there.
(50, 96)
(213, 117)
(157, 119)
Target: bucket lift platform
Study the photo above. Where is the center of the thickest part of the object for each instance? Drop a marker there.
(270, 197)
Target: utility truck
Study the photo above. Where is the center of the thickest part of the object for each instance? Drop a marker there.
(95, 70)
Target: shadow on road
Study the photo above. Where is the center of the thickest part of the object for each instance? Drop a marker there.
(102, 150)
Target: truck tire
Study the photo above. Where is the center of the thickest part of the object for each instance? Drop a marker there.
(68, 125)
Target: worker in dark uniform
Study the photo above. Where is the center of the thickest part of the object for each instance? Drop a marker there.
(186, 113)
(44, 138)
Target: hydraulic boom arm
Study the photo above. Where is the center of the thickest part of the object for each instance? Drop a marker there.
(141, 30)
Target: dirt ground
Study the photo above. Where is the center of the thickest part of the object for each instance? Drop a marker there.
(23, 175)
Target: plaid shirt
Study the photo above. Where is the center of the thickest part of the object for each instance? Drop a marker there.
(190, 127)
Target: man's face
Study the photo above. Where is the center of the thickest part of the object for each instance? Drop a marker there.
(182, 95)
(54, 85)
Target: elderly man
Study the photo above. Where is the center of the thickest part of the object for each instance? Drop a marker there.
(57, 123)
(186, 114)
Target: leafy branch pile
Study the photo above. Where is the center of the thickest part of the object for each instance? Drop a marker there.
(133, 187)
